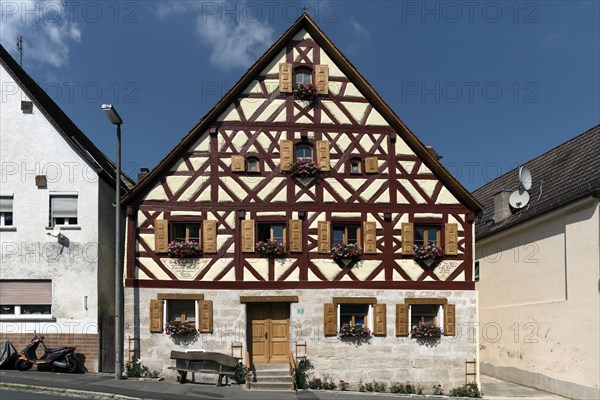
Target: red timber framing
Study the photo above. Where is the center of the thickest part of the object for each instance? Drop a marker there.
(247, 204)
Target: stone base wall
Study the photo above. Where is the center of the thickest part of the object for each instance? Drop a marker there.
(385, 359)
(87, 345)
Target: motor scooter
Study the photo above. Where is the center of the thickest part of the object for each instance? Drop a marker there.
(63, 357)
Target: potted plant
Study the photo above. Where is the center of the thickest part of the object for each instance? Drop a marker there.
(346, 252)
(425, 331)
(428, 255)
(179, 328)
(306, 91)
(354, 331)
(305, 171)
(180, 249)
(271, 248)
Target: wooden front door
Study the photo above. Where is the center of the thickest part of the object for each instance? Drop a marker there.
(270, 327)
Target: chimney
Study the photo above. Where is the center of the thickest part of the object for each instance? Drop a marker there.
(434, 153)
(142, 174)
(501, 206)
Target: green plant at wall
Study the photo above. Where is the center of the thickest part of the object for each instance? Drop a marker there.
(241, 372)
(135, 369)
(437, 390)
(344, 386)
(301, 373)
(372, 386)
(468, 390)
(328, 383)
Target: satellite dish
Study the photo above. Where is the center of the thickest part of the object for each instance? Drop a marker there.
(518, 199)
(525, 177)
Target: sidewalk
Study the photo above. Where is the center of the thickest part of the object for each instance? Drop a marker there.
(104, 386)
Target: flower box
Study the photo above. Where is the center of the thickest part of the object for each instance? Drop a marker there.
(270, 248)
(306, 91)
(304, 169)
(178, 328)
(427, 255)
(180, 249)
(356, 331)
(425, 331)
(346, 251)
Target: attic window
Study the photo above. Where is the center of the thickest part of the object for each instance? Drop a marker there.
(302, 75)
(26, 107)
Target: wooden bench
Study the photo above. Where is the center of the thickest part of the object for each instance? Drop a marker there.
(206, 363)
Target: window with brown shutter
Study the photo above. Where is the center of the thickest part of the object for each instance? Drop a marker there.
(370, 240)
(206, 316)
(238, 163)
(323, 155)
(285, 78)
(401, 319)
(295, 236)
(380, 328)
(330, 320)
(371, 165)
(322, 78)
(324, 236)
(286, 154)
(407, 238)
(248, 242)
(451, 239)
(161, 235)
(449, 320)
(209, 236)
(156, 316)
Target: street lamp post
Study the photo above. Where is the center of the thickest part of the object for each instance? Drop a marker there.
(115, 119)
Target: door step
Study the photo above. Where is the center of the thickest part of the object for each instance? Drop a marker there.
(272, 377)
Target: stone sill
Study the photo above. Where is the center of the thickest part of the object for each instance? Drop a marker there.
(8, 228)
(64, 228)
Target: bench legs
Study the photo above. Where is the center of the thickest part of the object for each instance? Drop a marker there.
(182, 376)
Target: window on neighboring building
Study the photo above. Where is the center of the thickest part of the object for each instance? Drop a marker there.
(6, 210)
(303, 152)
(185, 232)
(302, 75)
(427, 234)
(252, 164)
(345, 234)
(274, 232)
(355, 166)
(63, 209)
(476, 271)
(16, 298)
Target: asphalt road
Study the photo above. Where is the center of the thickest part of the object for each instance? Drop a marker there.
(27, 395)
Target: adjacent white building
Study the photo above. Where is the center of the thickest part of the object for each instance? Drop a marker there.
(56, 225)
(539, 276)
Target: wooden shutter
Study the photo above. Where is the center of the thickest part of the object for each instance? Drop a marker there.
(407, 238)
(238, 163)
(286, 154)
(209, 236)
(449, 320)
(322, 78)
(324, 235)
(156, 316)
(451, 239)
(371, 165)
(248, 244)
(369, 237)
(295, 235)
(285, 78)
(330, 320)
(380, 328)
(206, 316)
(323, 155)
(401, 319)
(161, 235)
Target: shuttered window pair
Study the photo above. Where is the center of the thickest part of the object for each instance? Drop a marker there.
(208, 236)
(286, 78)
(249, 239)
(368, 237)
(158, 318)
(402, 318)
(286, 154)
(352, 314)
(450, 238)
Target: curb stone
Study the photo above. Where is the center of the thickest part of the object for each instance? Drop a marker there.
(65, 392)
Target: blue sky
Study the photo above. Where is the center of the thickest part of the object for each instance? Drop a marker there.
(490, 84)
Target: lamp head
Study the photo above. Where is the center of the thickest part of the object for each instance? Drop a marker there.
(112, 114)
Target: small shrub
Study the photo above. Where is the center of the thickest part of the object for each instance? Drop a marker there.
(315, 383)
(344, 386)
(361, 386)
(419, 388)
(328, 383)
(468, 390)
(135, 369)
(241, 371)
(437, 389)
(379, 387)
(301, 373)
(154, 374)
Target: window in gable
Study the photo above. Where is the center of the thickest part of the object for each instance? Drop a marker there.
(302, 75)
(63, 209)
(303, 152)
(355, 166)
(252, 164)
(185, 232)
(274, 232)
(345, 234)
(427, 234)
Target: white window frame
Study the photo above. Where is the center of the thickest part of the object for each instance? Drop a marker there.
(3, 213)
(439, 316)
(18, 315)
(166, 311)
(370, 320)
(67, 195)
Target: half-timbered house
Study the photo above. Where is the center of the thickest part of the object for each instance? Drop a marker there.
(290, 252)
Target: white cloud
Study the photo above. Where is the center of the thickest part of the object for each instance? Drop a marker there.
(358, 29)
(235, 38)
(47, 28)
